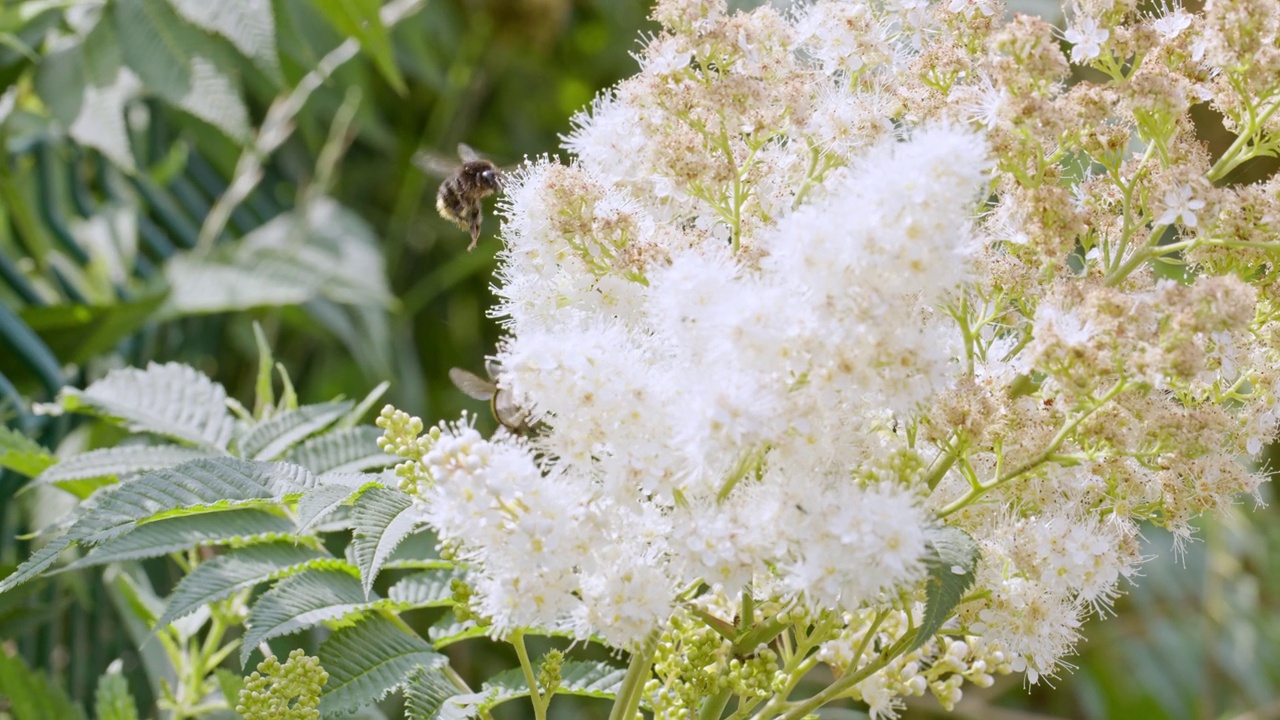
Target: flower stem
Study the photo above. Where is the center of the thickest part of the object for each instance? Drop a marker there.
(628, 698)
(535, 696)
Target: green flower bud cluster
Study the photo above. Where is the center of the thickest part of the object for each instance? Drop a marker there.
(289, 691)
(402, 436)
(549, 672)
(694, 662)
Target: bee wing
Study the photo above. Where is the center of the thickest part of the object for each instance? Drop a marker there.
(507, 411)
(471, 384)
(434, 164)
(467, 154)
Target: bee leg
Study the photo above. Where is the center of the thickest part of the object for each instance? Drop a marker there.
(475, 236)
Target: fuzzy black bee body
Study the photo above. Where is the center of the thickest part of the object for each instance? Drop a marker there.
(460, 195)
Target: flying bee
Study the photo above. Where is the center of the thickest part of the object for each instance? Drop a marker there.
(503, 406)
(460, 195)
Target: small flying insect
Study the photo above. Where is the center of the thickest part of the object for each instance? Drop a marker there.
(464, 187)
(501, 404)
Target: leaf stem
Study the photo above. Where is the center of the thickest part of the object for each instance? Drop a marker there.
(628, 698)
(535, 695)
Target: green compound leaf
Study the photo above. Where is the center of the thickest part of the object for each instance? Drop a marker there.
(301, 601)
(381, 519)
(271, 438)
(119, 462)
(368, 660)
(23, 455)
(170, 400)
(175, 534)
(952, 561)
(345, 450)
(223, 576)
(316, 503)
(449, 630)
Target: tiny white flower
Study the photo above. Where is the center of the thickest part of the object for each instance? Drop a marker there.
(1171, 24)
(1086, 39)
(1180, 205)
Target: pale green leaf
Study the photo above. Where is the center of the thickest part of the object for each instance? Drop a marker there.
(270, 438)
(380, 519)
(368, 660)
(112, 699)
(583, 679)
(171, 400)
(36, 563)
(119, 462)
(214, 286)
(343, 450)
(952, 561)
(175, 534)
(221, 577)
(21, 454)
(301, 601)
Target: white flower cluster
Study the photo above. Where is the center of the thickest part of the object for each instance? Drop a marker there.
(818, 283)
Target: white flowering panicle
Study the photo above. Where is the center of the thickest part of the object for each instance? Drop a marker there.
(818, 286)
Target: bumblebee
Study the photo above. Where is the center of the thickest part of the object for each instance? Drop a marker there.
(459, 198)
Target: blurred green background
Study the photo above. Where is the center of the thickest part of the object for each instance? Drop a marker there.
(337, 251)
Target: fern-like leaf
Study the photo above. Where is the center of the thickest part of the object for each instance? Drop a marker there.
(433, 588)
(170, 400)
(175, 534)
(448, 630)
(119, 462)
(196, 486)
(381, 519)
(368, 660)
(301, 601)
(223, 576)
(318, 502)
(271, 438)
(425, 692)
(112, 699)
(344, 450)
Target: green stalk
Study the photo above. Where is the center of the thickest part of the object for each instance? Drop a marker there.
(628, 698)
(535, 695)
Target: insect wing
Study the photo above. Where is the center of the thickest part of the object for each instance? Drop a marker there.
(471, 384)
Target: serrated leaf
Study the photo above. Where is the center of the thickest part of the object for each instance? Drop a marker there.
(380, 519)
(299, 602)
(432, 588)
(249, 25)
(223, 576)
(36, 563)
(31, 695)
(951, 561)
(119, 462)
(21, 454)
(368, 660)
(169, 535)
(180, 63)
(448, 630)
(580, 678)
(319, 501)
(344, 450)
(270, 438)
(192, 487)
(171, 400)
(112, 699)
(425, 691)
